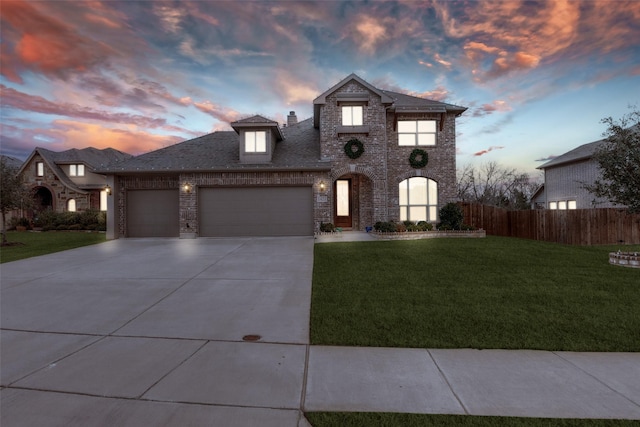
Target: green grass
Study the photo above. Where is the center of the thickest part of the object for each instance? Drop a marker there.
(359, 419)
(35, 244)
(474, 293)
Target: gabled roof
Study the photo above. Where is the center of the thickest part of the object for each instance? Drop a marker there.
(397, 101)
(92, 158)
(220, 151)
(583, 152)
(258, 121)
(11, 162)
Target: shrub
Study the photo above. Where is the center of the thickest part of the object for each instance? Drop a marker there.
(451, 217)
(327, 227)
(424, 226)
(385, 226)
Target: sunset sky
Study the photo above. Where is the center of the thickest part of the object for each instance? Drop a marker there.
(536, 76)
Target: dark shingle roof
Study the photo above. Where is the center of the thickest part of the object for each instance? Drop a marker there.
(11, 162)
(582, 152)
(220, 151)
(404, 102)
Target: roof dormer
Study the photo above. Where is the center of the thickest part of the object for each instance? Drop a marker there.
(258, 137)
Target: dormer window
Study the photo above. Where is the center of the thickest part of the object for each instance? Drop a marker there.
(255, 141)
(352, 115)
(417, 132)
(76, 170)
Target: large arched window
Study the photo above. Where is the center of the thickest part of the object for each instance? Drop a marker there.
(418, 199)
(71, 205)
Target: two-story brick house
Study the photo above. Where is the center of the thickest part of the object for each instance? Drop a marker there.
(366, 155)
(66, 180)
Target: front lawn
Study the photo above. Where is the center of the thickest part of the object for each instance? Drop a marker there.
(35, 243)
(474, 293)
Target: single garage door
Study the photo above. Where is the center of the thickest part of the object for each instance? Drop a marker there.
(256, 211)
(153, 213)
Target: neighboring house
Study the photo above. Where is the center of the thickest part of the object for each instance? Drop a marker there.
(66, 181)
(565, 178)
(264, 179)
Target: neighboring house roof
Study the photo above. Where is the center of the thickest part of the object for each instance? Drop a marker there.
(92, 158)
(11, 162)
(220, 151)
(583, 152)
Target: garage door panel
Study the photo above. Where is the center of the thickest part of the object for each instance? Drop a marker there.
(256, 211)
(153, 213)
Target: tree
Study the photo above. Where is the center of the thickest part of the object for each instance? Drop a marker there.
(13, 194)
(492, 184)
(619, 162)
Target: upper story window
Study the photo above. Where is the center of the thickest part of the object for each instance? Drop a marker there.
(39, 169)
(417, 132)
(255, 141)
(76, 170)
(352, 115)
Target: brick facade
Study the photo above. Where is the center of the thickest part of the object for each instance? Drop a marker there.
(310, 153)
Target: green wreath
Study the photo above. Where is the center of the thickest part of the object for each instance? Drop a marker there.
(418, 158)
(349, 148)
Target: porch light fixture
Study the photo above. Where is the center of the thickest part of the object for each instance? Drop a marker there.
(322, 186)
(107, 190)
(186, 187)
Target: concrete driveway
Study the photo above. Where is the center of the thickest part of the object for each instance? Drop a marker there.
(154, 332)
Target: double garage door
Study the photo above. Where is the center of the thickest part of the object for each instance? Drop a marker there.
(224, 212)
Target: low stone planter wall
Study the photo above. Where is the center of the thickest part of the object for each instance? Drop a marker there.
(625, 259)
(416, 235)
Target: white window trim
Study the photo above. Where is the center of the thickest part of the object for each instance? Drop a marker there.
(431, 201)
(348, 116)
(431, 141)
(251, 141)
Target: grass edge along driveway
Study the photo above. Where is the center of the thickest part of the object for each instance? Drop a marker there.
(502, 293)
(43, 243)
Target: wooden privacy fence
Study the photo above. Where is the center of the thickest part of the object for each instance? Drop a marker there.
(572, 227)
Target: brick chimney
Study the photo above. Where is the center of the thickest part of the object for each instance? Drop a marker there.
(292, 119)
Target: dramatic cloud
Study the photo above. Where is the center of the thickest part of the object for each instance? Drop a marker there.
(221, 113)
(495, 106)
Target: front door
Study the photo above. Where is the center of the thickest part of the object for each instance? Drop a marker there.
(342, 203)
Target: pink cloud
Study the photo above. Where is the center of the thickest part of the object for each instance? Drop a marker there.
(223, 114)
(489, 108)
(483, 152)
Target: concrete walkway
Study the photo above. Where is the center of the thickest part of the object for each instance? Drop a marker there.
(215, 332)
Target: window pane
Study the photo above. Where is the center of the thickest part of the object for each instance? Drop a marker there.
(72, 170)
(433, 213)
(71, 205)
(407, 139)
(103, 200)
(427, 126)
(342, 198)
(249, 142)
(426, 139)
(418, 213)
(346, 116)
(261, 142)
(357, 116)
(403, 213)
(562, 205)
(403, 193)
(80, 170)
(407, 126)
(417, 191)
(553, 205)
(572, 204)
(40, 169)
(433, 192)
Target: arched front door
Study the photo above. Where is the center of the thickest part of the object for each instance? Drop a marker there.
(42, 199)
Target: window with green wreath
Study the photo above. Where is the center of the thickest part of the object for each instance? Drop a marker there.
(416, 132)
(352, 115)
(418, 199)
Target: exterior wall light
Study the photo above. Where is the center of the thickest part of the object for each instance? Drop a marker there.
(323, 186)
(186, 187)
(107, 190)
